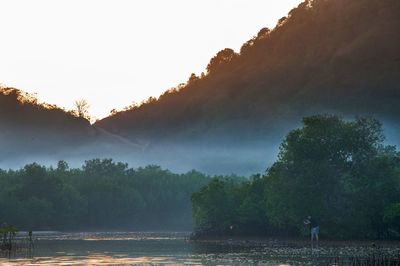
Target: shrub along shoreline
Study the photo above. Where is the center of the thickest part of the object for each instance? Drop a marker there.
(102, 195)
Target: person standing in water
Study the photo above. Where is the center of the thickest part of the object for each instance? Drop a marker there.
(314, 229)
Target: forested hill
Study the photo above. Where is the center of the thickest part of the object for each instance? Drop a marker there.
(18, 108)
(32, 131)
(335, 56)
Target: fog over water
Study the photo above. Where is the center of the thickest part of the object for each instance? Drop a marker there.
(208, 159)
(211, 157)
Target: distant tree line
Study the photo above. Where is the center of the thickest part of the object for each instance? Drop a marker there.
(101, 195)
(338, 171)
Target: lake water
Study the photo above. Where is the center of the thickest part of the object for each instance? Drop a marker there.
(174, 248)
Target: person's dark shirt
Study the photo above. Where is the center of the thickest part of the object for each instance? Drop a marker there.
(313, 223)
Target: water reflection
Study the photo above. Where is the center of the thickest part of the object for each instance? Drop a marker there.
(101, 260)
(155, 248)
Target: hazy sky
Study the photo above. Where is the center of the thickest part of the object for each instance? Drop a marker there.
(114, 52)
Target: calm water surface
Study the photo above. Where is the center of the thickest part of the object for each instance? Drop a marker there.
(174, 248)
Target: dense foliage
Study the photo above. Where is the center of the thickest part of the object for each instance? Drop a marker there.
(101, 195)
(338, 171)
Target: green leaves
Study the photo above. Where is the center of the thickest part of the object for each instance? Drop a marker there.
(336, 170)
(102, 194)
(325, 168)
(213, 205)
(227, 207)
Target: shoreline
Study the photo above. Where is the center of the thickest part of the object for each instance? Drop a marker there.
(297, 242)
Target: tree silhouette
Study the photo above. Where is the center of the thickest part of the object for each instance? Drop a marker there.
(222, 56)
(82, 109)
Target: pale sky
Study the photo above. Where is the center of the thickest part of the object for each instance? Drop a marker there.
(115, 52)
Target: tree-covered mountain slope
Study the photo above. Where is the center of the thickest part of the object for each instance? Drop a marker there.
(333, 56)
